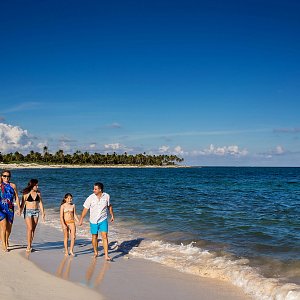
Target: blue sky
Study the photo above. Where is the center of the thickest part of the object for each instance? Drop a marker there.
(215, 82)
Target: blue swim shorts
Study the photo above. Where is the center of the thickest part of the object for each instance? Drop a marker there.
(99, 227)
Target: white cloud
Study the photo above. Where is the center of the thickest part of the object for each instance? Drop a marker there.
(13, 138)
(114, 125)
(168, 150)
(115, 146)
(178, 150)
(92, 145)
(287, 130)
(163, 149)
(232, 150)
(41, 145)
(65, 139)
(64, 146)
(279, 150)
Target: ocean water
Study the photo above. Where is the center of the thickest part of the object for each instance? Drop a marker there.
(237, 224)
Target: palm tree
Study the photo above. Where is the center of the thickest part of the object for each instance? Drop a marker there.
(59, 156)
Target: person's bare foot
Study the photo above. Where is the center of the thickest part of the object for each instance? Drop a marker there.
(72, 253)
(107, 258)
(96, 254)
(28, 249)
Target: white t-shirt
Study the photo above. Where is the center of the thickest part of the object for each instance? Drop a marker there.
(97, 207)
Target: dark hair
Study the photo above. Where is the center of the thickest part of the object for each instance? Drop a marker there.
(65, 197)
(30, 185)
(5, 171)
(99, 185)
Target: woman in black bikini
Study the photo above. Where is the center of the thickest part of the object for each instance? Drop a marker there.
(32, 205)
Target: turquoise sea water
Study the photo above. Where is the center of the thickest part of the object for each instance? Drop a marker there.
(238, 224)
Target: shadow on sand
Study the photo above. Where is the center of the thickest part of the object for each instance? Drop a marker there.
(84, 246)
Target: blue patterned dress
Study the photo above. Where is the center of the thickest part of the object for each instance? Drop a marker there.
(7, 194)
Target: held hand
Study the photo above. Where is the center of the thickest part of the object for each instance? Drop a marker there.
(80, 222)
(18, 212)
(112, 219)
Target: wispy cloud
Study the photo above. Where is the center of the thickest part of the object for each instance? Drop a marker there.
(92, 146)
(113, 125)
(64, 146)
(65, 139)
(163, 149)
(287, 130)
(21, 107)
(195, 133)
(279, 150)
(115, 146)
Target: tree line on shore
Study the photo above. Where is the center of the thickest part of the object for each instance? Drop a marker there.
(80, 158)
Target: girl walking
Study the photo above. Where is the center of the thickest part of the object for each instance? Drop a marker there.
(67, 220)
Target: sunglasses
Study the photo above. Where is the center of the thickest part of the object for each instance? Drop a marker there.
(6, 176)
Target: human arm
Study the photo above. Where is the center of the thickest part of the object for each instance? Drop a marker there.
(17, 198)
(42, 207)
(24, 198)
(62, 219)
(111, 212)
(75, 215)
(83, 214)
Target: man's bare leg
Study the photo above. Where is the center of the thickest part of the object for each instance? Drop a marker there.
(105, 245)
(95, 244)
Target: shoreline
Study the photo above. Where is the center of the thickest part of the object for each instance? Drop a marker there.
(126, 277)
(67, 166)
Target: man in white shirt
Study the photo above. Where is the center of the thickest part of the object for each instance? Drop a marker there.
(97, 203)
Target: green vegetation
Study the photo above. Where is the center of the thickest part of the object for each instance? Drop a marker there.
(79, 158)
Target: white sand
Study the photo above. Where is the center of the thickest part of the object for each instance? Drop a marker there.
(125, 278)
(21, 279)
(59, 166)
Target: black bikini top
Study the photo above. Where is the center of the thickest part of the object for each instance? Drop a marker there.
(30, 199)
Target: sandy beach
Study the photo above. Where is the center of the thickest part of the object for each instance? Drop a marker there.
(59, 166)
(21, 279)
(46, 273)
